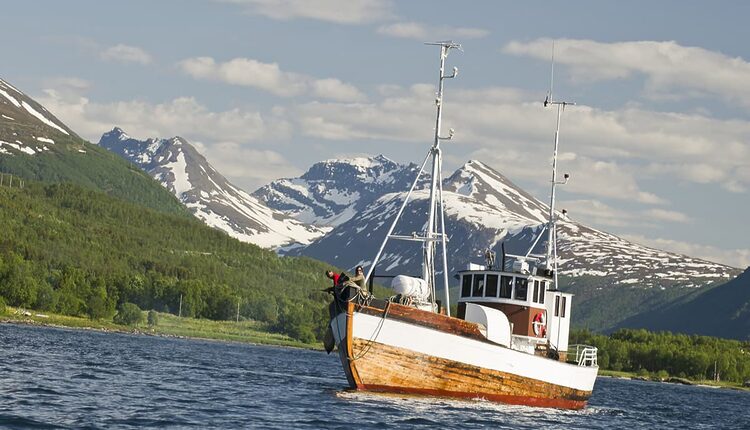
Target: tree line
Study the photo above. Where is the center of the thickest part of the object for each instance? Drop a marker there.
(670, 354)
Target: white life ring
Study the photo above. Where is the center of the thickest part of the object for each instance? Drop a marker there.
(539, 324)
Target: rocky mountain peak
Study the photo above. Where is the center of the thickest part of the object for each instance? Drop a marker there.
(333, 191)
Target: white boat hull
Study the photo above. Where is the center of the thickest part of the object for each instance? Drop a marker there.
(405, 350)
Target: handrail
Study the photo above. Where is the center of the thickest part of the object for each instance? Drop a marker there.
(583, 355)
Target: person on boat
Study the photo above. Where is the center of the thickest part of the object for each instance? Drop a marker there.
(359, 277)
(333, 276)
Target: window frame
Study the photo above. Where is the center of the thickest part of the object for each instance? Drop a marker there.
(464, 285)
(509, 286)
(488, 284)
(525, 289)
(474, 285)
(543, 292)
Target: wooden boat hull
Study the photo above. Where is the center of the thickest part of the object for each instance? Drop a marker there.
(419, 352)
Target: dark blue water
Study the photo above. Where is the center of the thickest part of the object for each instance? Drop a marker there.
(56, 378)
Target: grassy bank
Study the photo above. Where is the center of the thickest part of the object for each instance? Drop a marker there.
(168, 326)
(710, 383)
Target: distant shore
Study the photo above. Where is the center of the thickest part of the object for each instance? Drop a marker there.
(673, 380)
(170, 326)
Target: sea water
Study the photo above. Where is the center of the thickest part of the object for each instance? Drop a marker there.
(60, 378)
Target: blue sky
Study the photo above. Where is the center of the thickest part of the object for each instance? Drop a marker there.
(658, 146)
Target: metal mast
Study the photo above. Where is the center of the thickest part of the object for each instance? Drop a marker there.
(436, 195)
(431, 234)
(551, 249)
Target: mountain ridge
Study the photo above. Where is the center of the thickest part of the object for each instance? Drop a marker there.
(180, 168)
(485, 200)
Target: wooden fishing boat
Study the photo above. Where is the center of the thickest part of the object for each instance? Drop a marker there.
(508, 341)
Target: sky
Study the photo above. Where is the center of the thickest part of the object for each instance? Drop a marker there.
(657, 145)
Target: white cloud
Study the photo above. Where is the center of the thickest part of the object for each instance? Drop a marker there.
(71, 83)
(182, 116)
(671, 70)
(125, 54)
(337, 11)
(667, 215)
(249, 167)
(594, 212)
(334, 89)
(268, 77)
(732, 257)
(730, 177)
(426, 33)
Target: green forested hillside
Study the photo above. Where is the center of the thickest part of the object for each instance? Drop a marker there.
(606, 312)
(722, 311)
(71, 159)
(81, 252)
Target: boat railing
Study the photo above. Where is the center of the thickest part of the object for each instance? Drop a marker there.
(583, 355)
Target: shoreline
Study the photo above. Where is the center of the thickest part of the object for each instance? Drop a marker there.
(215, 331)
(737, 386)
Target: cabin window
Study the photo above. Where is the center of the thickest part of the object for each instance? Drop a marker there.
(522, 285)
(557, 306)
(491, 287)
(535, 295)
(506, 286)
(542, 291)
(466, 286)
(478, 290)
(562, 308)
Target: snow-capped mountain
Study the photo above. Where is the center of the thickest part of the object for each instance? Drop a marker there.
(177, 165)
(483, 209)
(26, 126)
(333, 191)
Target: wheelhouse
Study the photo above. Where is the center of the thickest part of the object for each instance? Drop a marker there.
(537, 313)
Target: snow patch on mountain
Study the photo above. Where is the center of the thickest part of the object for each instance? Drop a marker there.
(179, 183)
(30, 109)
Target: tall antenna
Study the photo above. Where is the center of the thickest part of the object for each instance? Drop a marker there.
(551, 77)
(551, 249)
